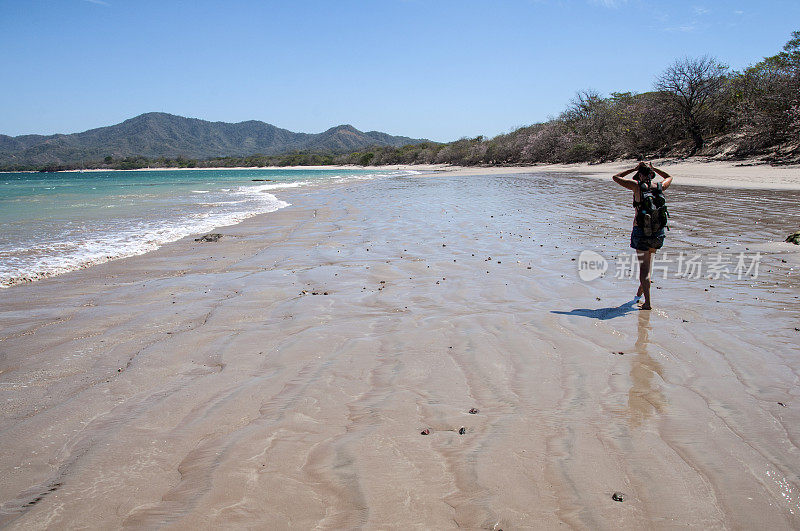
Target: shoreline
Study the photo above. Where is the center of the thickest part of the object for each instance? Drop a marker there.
(723, 175)
(749, 174)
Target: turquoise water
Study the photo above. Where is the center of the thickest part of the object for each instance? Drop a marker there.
(58, 222)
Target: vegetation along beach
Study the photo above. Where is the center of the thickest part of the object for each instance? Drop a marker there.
(215, 322)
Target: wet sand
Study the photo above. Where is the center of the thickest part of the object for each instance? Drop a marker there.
(206, 385)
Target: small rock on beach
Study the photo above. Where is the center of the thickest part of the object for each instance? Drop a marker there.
(210, 237)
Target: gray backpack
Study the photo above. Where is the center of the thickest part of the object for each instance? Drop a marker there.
(651, 211)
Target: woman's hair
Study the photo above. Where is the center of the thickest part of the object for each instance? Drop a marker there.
(643, 173)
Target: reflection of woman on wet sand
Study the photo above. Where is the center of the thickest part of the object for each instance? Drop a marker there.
(644, 244)
(644, 398)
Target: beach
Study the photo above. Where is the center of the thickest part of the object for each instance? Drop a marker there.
(282, 376)
(696, 171)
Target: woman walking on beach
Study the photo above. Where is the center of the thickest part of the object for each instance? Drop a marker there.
(650, 219)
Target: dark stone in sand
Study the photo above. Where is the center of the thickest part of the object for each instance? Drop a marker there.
(210, 237)
(426, 431)
(34, 501)
(618, 496)
(781, 404)
(462, 430)
(474, 411)
(794, 238)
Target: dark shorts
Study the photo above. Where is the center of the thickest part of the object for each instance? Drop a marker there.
(640, 242)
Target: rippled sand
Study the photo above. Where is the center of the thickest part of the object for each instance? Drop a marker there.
(205, 385)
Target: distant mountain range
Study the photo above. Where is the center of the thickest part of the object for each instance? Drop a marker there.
(157, 134)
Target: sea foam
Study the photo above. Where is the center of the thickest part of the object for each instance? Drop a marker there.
(50, 258)
(67, 221)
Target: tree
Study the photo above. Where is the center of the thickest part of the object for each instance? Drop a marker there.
(766, 98)
(789, 58)
(692, 88)
(365, 159)
(589, 117)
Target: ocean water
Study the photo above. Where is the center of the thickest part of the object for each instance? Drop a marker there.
(58, 222)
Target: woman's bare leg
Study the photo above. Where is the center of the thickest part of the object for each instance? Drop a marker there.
(645, 264)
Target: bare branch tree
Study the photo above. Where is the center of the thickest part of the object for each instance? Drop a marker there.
(584, 104)
(692, 88)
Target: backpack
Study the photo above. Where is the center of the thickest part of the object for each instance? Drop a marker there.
(652, 214)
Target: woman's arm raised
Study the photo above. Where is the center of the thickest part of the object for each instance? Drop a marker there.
(667, 177)
(620, 179)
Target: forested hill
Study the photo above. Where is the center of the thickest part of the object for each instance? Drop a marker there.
(161, 135)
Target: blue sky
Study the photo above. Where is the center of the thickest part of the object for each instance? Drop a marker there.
(423, 68)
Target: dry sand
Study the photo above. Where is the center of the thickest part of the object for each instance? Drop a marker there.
(206, 385)
(750, 174)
